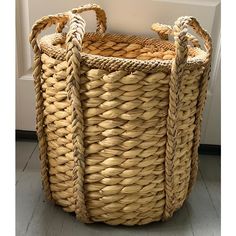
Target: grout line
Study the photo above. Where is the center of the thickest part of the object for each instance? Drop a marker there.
(62, 225)
(26, 164)
(200, 172)
(32, 215)
(189, 218)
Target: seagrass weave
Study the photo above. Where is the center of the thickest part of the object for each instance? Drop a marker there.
(118, 117)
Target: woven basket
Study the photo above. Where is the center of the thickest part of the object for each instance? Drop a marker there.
(118, 117)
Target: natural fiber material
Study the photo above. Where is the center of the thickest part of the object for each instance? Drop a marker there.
(118, 117)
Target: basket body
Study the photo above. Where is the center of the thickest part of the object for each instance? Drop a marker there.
(136, 130)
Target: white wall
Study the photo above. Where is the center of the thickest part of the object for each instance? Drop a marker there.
(124, 16)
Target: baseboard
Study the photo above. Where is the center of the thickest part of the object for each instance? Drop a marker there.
(207, 149)
(26, 134)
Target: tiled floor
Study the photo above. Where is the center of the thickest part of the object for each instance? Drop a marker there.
(200, 215)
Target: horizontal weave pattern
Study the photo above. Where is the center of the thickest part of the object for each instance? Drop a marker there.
(125, 137)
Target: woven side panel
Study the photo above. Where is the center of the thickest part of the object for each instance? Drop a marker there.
(58, 132)
(189, 92)
(125, 138)
(125, 141)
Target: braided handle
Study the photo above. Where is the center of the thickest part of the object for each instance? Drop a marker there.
(43, 23)
(61, 20)
(178, 66)
(37, 66)
(100, 17)
(74, 44)
(164, 31)
(181, 36)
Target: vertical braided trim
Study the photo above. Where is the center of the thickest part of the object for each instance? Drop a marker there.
(37, 70)
(172, 118)
(201, 98)
(73, 57)
(37, 66)
(198, 121)
(181, 36)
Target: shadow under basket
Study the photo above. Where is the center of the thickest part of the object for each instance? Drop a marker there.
(118, 117)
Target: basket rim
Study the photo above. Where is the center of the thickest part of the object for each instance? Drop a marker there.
(116, 63)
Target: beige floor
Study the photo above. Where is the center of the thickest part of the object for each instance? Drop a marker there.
(200, 215)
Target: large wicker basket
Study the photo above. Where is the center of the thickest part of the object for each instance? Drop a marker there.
(118, 117)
